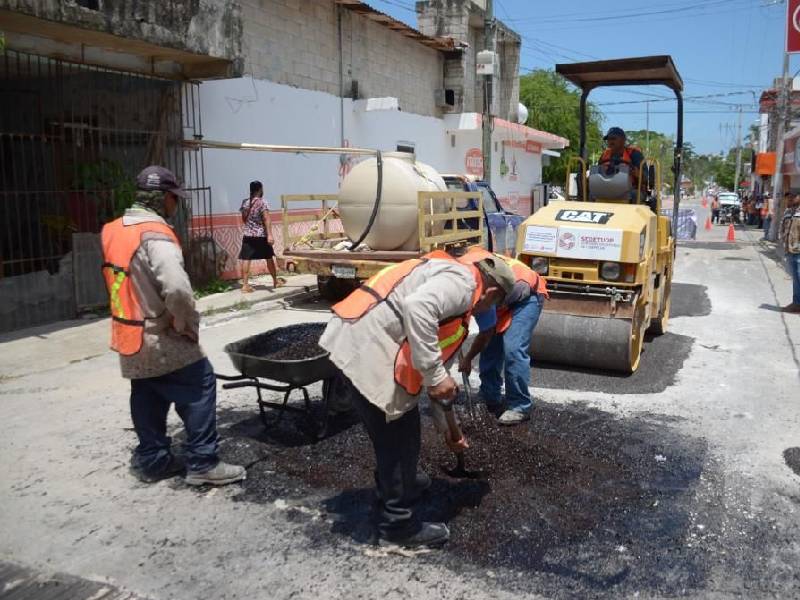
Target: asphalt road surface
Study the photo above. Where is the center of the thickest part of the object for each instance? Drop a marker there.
(680, 480)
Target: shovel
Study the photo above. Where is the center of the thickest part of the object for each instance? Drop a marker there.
(467, 393)
(460, 471)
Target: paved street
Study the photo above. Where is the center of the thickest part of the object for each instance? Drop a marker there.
(690, 488)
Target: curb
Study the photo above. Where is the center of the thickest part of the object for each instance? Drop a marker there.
(234, 300)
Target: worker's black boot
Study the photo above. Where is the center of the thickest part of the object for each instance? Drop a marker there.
(422, 484)
(429, 535)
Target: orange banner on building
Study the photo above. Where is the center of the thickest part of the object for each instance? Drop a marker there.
(765, 163)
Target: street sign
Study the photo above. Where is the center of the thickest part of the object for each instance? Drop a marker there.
(793, 26)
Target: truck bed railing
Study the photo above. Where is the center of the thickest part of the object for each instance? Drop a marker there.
(322, 231)
(458, 233)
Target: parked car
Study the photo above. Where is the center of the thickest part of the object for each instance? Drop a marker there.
(502, 224)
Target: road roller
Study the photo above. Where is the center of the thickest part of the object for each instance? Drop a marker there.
(607, 252)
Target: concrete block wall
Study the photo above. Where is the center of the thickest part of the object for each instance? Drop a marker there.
(463, 21)
(207, 27)
(296, 42)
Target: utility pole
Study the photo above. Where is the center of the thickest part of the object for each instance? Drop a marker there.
(738, 152)
(486, 141)
(647, 131)
(784, 102)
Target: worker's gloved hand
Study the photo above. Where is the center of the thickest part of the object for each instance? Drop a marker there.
(458, 445)
(444, 390)
(464, 365)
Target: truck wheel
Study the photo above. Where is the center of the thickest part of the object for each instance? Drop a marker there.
(334, 289)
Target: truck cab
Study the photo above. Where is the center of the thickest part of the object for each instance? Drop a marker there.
(500, 225)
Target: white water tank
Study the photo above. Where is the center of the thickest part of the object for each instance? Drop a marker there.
(396, 224)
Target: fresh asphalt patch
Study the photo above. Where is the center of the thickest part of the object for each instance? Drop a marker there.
(662, 359)
(662, 356)
(690, 300)
(792, 458)
(709, 245)
(577, 503)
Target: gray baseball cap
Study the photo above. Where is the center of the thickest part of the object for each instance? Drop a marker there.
(497, 269)
(155, 178)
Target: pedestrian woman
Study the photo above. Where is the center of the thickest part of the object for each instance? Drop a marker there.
(256, 243)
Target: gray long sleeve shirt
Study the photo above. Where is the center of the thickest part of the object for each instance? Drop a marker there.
(171, 321)
(366, 349)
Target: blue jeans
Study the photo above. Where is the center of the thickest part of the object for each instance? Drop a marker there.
(509, 354)
(193, 390)
(793, 262)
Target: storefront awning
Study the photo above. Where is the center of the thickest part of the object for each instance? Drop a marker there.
(474, 121)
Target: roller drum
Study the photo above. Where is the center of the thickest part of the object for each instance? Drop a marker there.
(590, 342)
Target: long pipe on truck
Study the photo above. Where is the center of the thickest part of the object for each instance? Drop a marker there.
(212, 144)
(217, 145)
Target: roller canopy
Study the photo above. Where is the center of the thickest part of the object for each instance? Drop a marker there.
(646, 70)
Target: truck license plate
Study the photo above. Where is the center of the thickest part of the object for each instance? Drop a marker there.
(343, 272)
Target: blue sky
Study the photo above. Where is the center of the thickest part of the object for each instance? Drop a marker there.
(730, 47)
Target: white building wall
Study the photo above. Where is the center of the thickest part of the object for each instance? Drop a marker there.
(257, 111)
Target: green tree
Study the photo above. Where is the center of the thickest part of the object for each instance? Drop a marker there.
(554, 106)
(657, 146)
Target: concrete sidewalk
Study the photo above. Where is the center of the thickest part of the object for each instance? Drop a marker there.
(56, 345)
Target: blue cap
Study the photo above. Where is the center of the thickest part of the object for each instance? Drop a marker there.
(615, 132)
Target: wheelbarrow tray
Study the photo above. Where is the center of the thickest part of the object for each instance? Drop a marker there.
(296, 373)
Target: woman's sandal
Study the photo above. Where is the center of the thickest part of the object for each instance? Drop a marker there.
(247, 289)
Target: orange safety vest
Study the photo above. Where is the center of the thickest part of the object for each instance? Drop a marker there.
(379, 287)
(522, 272)
(120, 243)
(627, 155)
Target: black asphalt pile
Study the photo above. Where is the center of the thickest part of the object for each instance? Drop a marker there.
(579, 498)
(662, 359)
(295, 342)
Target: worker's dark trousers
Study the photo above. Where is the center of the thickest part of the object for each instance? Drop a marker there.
(396, 446)
(193, 390)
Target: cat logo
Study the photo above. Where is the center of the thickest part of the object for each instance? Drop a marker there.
(584, 216)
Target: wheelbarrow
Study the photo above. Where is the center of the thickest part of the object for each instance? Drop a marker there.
(254, 358)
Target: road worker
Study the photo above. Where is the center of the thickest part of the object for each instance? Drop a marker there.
(504, 340)
(392, 338)
(618, 152)
(154, 328)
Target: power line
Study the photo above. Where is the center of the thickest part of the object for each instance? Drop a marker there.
(672, 112)
(686, 9)
(645, 20)
(581, 17)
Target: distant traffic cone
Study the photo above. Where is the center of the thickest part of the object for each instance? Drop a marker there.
(731, 233)
(708, 223)
(705, 202)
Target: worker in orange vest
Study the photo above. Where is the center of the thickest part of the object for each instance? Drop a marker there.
(618, 152)
(504, 340)
(392, 339)
(154, 328)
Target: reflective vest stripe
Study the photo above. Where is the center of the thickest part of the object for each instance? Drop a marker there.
(452, 339)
